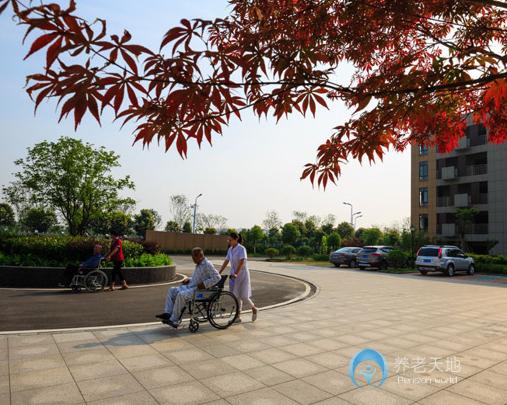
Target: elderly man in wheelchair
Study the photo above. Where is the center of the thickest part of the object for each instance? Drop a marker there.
(202, 296)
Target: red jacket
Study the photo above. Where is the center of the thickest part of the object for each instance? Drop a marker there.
(118, 256)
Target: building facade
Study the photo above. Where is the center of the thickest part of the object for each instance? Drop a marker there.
(474, 175)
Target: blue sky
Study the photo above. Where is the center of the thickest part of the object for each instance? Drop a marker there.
(253, 168)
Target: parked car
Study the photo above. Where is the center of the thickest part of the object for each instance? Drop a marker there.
(373, 256)
(447, 259)
(345, 255)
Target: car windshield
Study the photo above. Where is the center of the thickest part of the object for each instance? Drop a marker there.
(369, 250)
(433, 252)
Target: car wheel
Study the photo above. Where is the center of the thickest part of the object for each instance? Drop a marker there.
(352, 264)
(450, 270)
(424, 272)
(383, 265)
(336, 265)
(471, 270)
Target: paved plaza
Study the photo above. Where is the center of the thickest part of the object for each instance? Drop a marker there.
(445, 343)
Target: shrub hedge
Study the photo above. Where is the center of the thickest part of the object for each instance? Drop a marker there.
(57, 250)
(398, 259)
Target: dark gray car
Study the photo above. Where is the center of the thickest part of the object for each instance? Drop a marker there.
(373, 256)
(345, 256)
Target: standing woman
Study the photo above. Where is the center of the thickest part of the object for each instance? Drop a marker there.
(239, 281)
(116, 256)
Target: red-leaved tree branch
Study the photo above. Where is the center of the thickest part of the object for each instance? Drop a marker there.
(420, 69)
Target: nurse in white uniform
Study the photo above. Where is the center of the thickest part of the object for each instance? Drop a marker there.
(239, 280)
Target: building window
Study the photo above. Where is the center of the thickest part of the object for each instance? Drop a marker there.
(423, 150)
(423, 222)
(423, 196)
(423, 170)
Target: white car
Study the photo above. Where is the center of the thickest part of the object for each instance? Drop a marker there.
(447, 259)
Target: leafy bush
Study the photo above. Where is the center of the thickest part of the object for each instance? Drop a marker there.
(397, 259)
(288, 251)
(151, 247)
(59, 249)
(319, 257)
(147, 260)
(271, 252)
(491, 268)
(489, 259)
(305, 251)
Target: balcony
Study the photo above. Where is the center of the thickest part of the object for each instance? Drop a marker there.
(446, 201)
(462, 200)
(476, 229)
(463, 143)
(475, 170)
(448, 230)
(449, 173)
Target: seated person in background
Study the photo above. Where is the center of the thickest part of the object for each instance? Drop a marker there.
(204, 276)
(90, 264)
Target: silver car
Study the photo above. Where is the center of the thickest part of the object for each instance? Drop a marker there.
(446, 259)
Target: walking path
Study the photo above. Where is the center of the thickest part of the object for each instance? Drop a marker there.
(445, 343)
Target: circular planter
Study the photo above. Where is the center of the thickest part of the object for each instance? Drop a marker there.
(49, 277)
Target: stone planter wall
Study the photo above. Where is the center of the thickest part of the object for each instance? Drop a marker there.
(49, 277)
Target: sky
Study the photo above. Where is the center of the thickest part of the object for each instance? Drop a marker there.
(254, 167)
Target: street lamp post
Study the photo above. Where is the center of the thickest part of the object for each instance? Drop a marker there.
(195, 212)
(351, 212)
(412, 242)
(356, 218)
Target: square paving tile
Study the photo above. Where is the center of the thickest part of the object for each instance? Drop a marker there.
(4, 384)
(143, 398)
(207, 368)
(266, 396)
(330, 381)
(24, 364)
(108, 387)
(480, 392)
(159, 377)
(371, 395)
(242, 361)
(448, 398)
(88, 356)
(187, 355)
(191, 393)
(232, 384)
(40, 379)
(54, 395)
(90, 371)
(273, 355)
(413, 389)
(145, 362)
(301, 392)
(27, 351)
(269, 375)
(299, 367)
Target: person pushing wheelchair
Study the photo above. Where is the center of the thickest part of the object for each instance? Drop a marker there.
(204, 276)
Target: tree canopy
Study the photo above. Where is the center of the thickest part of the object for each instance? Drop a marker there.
(421, 68)
(72, 178)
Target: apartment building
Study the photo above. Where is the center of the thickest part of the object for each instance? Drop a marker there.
(473, 175)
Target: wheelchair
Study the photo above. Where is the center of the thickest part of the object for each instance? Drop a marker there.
(89, 280)
(214, 305)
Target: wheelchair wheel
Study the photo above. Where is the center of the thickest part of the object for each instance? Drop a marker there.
(193, 326)
(95, 281)
(223, 310)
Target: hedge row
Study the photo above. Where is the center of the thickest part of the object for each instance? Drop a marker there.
(62, 249)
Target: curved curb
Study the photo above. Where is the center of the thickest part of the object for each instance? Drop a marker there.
(178, 275)
(311, 290)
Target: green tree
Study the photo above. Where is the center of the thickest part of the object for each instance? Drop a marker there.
(372, 236)
(172, 226)
(146, 220)
(210, 231)
(290, 233)
(464, 218)
(334, 240)
(187, 227)
(38, 219)
(7, 217)
(345, 230)
(120, 223)
(391, 237)
(72, 178)
(254, 236)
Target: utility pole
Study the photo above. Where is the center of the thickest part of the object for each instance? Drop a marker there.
(195, 212)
